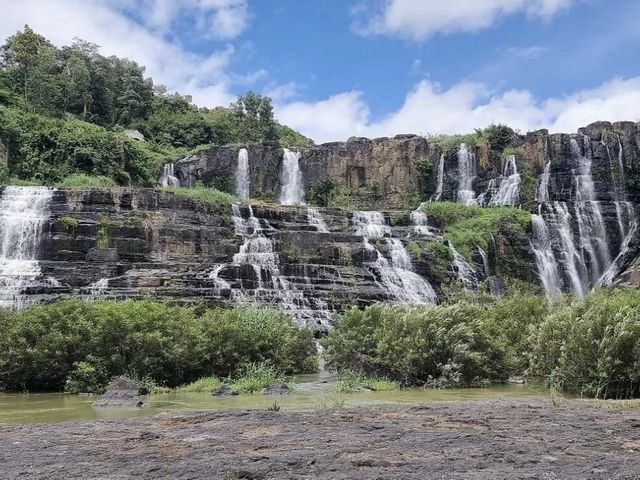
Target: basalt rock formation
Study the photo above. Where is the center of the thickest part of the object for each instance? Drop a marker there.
(581, 189)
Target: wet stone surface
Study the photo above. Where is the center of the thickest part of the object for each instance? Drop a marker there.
(481, 440)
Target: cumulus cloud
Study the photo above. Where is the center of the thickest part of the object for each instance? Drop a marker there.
(429, 109)
(420, 19)
(104, 22)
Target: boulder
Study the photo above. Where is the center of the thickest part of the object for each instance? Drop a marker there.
(224, 391)
(122, 392)
(278, 388)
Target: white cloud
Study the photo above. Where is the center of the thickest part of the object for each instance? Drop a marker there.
(204, 77)
(335, 118)
(428, 109)
(420, 19)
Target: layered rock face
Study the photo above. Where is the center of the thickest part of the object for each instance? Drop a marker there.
(582, 190)
(145, 243)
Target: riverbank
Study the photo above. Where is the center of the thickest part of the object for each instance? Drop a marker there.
(488, 439)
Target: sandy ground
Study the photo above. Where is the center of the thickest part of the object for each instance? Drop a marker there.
(481, 440)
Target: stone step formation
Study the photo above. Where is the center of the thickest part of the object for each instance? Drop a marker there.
(314, 262)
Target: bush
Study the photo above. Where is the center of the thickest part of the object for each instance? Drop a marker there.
(421, 345)
(350, 381)
(81, 345)
(217, 201)
(592, 347)
(81, 180)
(205, 384)
(256, 377)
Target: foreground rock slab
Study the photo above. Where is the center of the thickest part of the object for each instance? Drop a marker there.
(121, 393)
(480, 440)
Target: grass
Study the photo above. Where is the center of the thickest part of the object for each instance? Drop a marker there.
(255, 378)
(328, 402)
(350, 381)
(81, 180)
(470, 226)
(202, 385)
(219, 202)
(616, 404)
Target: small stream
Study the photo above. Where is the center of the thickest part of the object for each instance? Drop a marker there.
(313, 392)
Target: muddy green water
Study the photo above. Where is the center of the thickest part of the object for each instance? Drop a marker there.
(312, 393)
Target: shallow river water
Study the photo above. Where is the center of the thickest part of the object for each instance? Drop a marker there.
(312, 393)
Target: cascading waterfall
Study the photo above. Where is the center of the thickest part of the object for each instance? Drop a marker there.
(542, 194)
(545, 259)
(420, 223)
(591, 228)
(23, 212)
(465, 272)
(314, 217)
(396, 276)
(292, 192)
(621, 163)
(616, 266)
(271, 286)
(466, 174)
(98, 287)
(507, 187)
(438, 194)
(168, 178)
(242, 175)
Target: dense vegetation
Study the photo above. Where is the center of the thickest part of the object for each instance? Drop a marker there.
(82, 345)
(64, 111)
(588, 347)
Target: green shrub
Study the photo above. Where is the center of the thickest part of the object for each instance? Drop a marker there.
(70, 224)
(205, 384)
(350, 381)
(217, 201)
(256, 377)
(81, 345)
(591, 347)
(469, 226)
(81, 180)
(432, 345)
(321, 192)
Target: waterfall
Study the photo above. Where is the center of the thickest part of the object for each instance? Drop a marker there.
(621, 163)
(542, 194)
(258, 252)
(420, 223)
(292, 192)
(438, 194)
(98, 287)
(23, 213)
(616, 266)
(545, 259)
(314, 217)
(465, 272)
(466, 175)
(242, 175)
(591, 228)
(396, 276)
(168, 178)
(508, 191)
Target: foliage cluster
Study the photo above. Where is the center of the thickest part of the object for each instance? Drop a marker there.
(352, 381)
(589, 347)
(82, 345)
(65, 110)
(217, 201)
(470, 226)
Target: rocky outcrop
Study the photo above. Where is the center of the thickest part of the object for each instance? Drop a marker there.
(121, 393)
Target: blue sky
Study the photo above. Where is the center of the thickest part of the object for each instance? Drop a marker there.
(337, 68)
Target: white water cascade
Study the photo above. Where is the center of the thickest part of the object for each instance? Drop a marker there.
(466, 173)
(542, 194)
(23, 212)
(505, 190)
(242, 175)
(545, 259)
(314, 217)
(420, 224)
(271, 286)
(438, 194)
(292, 192)
(168, 178)
(465, 272)
(396, 276)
